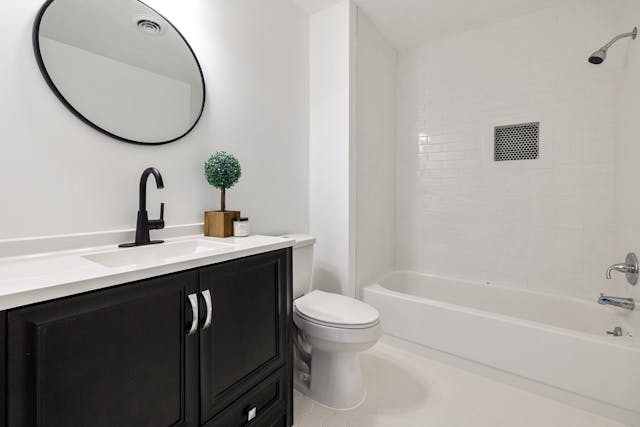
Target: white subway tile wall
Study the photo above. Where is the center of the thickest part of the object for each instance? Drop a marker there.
(544, 224)
(627, 147)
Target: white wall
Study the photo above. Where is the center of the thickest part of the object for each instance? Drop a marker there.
(375, 147)
(331, 161)
(547, 225)
(59, 176)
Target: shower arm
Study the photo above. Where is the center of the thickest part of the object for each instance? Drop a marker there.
(633, 34)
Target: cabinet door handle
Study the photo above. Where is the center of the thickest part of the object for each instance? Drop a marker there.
(193, 299)
(207, 301)
(251, 413)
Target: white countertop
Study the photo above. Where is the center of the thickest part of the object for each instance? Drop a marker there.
(36, 278)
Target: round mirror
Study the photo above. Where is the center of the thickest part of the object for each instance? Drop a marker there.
(121, 68)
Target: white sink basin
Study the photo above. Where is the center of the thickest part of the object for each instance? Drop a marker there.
(160, 253)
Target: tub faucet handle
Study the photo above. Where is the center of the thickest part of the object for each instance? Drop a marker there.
(629, 267)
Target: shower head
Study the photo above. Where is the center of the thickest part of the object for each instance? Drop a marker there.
(600, 55)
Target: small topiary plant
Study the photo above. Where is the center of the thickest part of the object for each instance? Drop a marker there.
(222, 171)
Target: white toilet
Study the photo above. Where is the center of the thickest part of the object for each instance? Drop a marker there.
(331, 331)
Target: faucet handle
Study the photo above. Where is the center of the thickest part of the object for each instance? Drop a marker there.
(630, 267)
(158, 224)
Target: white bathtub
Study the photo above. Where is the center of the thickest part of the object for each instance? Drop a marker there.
(559, 342)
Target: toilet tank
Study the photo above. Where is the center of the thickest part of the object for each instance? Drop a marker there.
(302, 263)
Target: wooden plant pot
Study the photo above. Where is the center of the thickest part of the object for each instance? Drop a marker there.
(219, 223)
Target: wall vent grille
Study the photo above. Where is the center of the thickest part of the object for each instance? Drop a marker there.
(516, 142)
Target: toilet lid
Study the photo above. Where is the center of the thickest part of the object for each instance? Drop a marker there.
(336, 310)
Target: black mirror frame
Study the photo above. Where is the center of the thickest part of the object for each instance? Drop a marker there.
(52, 86)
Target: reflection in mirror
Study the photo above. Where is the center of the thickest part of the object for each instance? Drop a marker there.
(120, 67)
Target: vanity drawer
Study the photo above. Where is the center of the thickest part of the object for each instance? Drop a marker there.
(263, 406)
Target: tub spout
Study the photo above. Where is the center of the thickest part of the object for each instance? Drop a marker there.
(626, 303)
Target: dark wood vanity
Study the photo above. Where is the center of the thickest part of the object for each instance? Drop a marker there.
(133, 355)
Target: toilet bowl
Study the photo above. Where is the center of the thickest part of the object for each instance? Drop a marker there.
(331, 332)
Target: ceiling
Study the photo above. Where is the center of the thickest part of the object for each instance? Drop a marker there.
(313, 6)
(409, 23)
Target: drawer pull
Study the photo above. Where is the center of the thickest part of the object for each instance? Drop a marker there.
(193, 299)
(207, 301)
(251, 414)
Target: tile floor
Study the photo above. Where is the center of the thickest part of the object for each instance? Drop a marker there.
(407, 390)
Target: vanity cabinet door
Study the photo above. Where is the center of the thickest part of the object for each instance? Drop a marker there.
(119, 357)
(249, 336)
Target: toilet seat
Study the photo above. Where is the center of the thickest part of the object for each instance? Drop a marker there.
(335, 311)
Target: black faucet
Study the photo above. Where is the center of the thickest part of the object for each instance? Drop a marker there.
(144, 224)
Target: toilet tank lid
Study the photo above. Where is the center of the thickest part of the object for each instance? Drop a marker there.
(301, 240)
